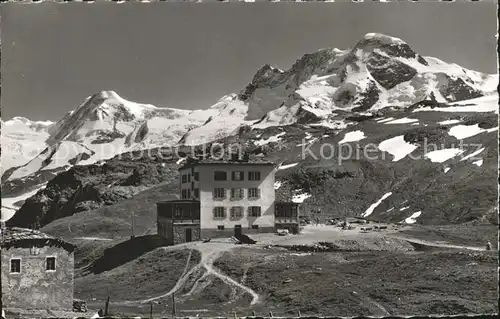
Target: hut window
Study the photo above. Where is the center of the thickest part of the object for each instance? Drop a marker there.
(178, 211)
(15, 266)
(50, 264)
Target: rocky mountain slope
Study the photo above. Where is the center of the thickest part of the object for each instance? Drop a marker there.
(380, 93)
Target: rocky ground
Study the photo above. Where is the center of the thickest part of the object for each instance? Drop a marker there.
(374, 273)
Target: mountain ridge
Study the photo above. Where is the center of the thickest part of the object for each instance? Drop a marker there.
(329, 89)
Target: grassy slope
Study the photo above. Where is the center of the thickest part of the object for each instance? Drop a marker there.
(442, 282)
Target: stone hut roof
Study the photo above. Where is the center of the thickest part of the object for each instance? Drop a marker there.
(25, 238)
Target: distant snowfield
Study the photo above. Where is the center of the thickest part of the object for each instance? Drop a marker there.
(473, 154)
(353, 136)
(446, 169)
(287, 166)
(300, 197)
(404, 120)
(385, 120)
(478, 162)
(449, 122)
(488, 103)
(8, 203)
(370, 209)
(397, 147)
(413, 218)
(271, 139)
(443, 155)
(465, 131)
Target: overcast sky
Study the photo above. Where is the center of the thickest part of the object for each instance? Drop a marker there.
(188, 55)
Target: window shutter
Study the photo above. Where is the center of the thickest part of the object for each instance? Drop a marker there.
(241, 193)
(233, 176)
(242, 176)
(225, 211)
(258, 192)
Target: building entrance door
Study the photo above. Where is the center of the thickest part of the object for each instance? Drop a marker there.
(237, 231)
(189, 234)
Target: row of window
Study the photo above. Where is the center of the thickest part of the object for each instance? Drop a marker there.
(15, 265)
(221, 227)
(236, 176)
(222, 176)
(186, 178)
(186, 193)
(236, 193)
(220, 212)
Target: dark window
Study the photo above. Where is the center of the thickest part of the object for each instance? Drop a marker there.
(220, 176)
(236, 212)
(254, 211)
(178, 212)
(294, 211)
(189, 178)
(219, 212)
(254, 176)
(50, 263)
(238, 176)
(220, 227)
(184, 194)
(15, 266)
(253, 193)
(196, 176)
(236, 193)
(184, 178)
(219, 193)
(255, 226)
(188, 193)
(196, 192)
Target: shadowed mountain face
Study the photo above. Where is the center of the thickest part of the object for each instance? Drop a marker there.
(380, 94)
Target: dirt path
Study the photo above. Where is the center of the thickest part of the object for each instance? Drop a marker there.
(210, 252)
(180, 282)
(207, 260)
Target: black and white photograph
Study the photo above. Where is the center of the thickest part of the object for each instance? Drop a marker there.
(202, 159)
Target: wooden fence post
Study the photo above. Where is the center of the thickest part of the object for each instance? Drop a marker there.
(106, 307)
(299, 315)
(173, 305)
(253, 313)
(270, 314)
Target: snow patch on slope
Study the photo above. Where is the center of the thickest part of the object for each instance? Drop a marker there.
(443, 155)
(372, 207)
(353, 136)
(397, 147)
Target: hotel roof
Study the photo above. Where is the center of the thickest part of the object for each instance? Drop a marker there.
(192, 163)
